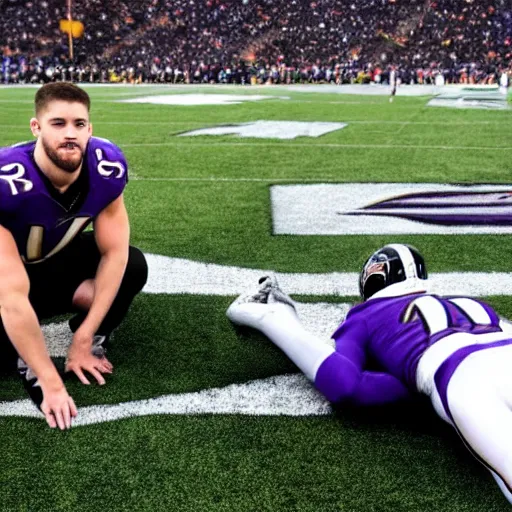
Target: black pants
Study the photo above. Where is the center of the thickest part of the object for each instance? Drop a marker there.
(54, 282)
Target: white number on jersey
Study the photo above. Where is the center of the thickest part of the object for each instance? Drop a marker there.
(35, 240)
(13, 179)
(430, 310)
(106, 168)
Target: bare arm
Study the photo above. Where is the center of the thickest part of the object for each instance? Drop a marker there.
(112, 233)
(22, 328)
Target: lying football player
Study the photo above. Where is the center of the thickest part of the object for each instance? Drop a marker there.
(455, 350)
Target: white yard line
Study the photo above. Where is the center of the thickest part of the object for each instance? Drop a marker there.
(316, 145)
(177, 275)
(283, 395)
(215, 179)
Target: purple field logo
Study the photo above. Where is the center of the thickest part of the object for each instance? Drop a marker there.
(391, 209)
(492, 208)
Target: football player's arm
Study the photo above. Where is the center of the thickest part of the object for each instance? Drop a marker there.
(112, 234)
(23, 329)
(342, 377)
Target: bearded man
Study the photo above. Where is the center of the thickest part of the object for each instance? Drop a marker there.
(51, 189)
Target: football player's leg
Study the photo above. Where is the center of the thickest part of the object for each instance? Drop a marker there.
(10, 362)
(49, 296)
(84, 294)
(133, 281)
(479, 397)
(8, 354)
(271, 311)
(503, 487)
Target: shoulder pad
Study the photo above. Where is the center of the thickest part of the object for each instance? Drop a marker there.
(107, 159)
(16, 169)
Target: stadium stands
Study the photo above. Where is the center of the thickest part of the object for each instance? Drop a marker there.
(260, 41)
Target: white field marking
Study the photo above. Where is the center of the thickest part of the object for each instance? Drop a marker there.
(129, 103)
(401, 107)
(269, 129)
(327, 209)
(58, 338)
(283, 395)
(199, 99)
(320, 318)
(292, 145)
(294, 179)
(289, 395)
(181, 276)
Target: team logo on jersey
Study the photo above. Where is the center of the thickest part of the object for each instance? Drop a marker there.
(391, 208)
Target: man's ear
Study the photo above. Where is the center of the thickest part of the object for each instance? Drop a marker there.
(35, 127)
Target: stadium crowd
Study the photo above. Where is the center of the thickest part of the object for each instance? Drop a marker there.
(258, 41)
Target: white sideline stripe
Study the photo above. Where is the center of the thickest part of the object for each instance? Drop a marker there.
(234, 180)
(179, 276)
(290, 395)
(292, 179)
(293, 145)
(283, 395)
(418, 123)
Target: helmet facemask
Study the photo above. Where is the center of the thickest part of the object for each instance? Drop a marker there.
(390, 265)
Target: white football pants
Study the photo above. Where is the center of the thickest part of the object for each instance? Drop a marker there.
(479, 396)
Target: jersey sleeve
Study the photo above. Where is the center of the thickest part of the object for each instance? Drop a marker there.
(109, 160)
(115, 154)
(342, 376)
(108, 172)
(15, 180)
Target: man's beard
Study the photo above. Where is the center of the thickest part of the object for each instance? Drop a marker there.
(65, 165)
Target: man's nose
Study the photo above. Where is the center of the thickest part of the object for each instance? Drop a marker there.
(70, 132)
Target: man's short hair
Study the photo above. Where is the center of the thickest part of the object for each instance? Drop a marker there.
(60, 91)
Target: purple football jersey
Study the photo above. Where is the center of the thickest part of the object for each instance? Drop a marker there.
(40, 225)
(394, 332)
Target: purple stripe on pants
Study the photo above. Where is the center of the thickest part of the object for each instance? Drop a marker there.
(446, 370)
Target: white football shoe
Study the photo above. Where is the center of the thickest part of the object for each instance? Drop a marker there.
(250, 307)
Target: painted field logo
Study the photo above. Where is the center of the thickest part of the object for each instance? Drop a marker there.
(200, 99)
(488, 99)
(271, 129)
(447, 208)
(391, 208)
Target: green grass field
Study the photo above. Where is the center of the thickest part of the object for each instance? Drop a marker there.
(206, 199)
